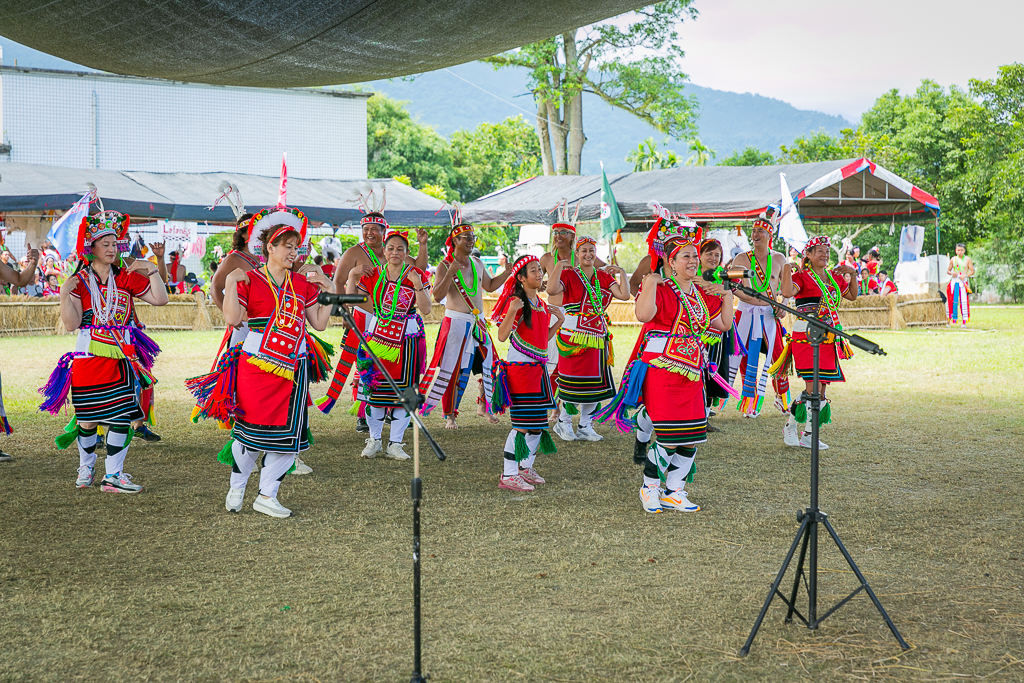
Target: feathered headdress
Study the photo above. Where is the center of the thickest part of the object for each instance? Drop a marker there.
(100, 225)
(233, 196)
(769, 220)
(458, 226)
(282, 216)
(669, 226)
(372, 206)
(563, 220)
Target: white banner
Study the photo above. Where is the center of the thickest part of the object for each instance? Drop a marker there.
(177, 232)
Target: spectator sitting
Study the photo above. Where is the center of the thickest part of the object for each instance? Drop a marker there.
(885, 285)
(52, 285)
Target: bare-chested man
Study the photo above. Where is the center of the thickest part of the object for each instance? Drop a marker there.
(757, 324)
(463, 344)
(17, 279)
(366, 256)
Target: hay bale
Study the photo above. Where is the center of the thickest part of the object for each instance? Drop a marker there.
(922, 310)
(202, 319)
(29, 315)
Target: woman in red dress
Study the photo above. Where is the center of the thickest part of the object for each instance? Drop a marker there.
(398, 296)
(817, 292)
(521, 383)
(109, 369)
(263, 383)
(584, 370)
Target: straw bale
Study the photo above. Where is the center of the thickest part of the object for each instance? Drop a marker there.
(29, 315)
(922, 309)
(869, 311)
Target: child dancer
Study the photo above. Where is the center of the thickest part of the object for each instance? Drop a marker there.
(521, 383)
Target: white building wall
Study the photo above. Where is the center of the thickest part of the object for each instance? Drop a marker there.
(135, 124)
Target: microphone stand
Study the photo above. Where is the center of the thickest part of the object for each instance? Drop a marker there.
(411, 401)
(812, 517)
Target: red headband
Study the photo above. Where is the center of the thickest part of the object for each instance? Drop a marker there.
(404, 234)
(456, 231)
(505, 298)
(564, 226)
(815, 241)
(580, 241)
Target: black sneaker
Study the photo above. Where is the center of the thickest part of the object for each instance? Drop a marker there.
(361, 426)
(147, 434)
(640, 451)
(712, 428)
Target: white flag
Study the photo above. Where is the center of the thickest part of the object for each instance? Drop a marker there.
(791, 228)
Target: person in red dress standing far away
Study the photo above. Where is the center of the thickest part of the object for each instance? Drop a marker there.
(817, 292)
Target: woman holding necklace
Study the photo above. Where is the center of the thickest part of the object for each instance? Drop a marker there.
(583, 342)
(110, 366)
(818, 292)
(398, 296)
(263, 383)
(521, 383)
(680, 319)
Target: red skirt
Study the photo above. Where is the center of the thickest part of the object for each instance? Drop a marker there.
(105, 390)
(676, 406)
(828, 360)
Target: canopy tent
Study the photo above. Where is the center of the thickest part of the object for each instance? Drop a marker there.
(187, 196)
(850, 190)
(287, 44)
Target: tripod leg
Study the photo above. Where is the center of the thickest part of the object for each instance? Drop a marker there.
(796, 579)
(864, 582)
(774, 589)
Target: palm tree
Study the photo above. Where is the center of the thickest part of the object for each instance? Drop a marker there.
(701, 154)
(647, 157)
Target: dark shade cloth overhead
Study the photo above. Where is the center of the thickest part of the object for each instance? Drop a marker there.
(272, 43)
(186, 196)
(847, 190)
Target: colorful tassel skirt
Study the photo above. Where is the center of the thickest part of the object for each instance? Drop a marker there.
(272, 411)
(676, 406)
(585, 377)
(105, 390)
(803, 360)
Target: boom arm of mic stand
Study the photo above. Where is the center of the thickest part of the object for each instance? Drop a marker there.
(410, 398)
(858, 341)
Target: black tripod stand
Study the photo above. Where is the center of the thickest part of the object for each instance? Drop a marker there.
(411, 401)
(813, 516)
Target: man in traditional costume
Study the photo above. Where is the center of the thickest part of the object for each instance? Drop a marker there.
(262, 384)
(463, 344)
(958, 290)
(398, 297)
(521, 382)
(110, 366)
(364, 257)
(666, 370)
(817, 292)
(13, 277)
(584, 340)
(758, 325)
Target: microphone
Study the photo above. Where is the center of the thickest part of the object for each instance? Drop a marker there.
(328, 299)
(719, 274)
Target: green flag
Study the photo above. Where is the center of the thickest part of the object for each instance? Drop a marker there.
(611, 218)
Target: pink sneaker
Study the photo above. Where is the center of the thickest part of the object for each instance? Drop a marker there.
(531, 476)
(514, 483)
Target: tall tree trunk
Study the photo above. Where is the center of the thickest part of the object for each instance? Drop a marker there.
(559, 133)
(574, 104)
(545, 138)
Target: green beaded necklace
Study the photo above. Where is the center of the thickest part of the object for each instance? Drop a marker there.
(379, 288)
(476, 280)
(763, 287)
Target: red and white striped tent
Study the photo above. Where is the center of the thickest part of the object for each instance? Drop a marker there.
(844, 191)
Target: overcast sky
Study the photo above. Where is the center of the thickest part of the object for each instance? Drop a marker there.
(839, 57)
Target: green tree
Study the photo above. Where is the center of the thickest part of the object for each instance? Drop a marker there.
(495, 155)
(647, 157)
(397, 145)
(751, 156)
(818, 147)
(632, 63)
(700, 154)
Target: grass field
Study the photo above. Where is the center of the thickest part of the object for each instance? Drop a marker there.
(573, 582)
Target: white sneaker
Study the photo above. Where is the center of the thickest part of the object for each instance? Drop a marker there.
(85, 476)
(588, 434)
(271, 507)
(233, 503)
(301, 467)
(650, 497)
(564, 431)
(791, 432)
(677, 500)
(372, 448)
(805, 441)
(395, 451)
(119, 483)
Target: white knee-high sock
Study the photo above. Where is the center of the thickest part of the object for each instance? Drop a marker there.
(564, 416)
(116, 451)
(275, 466)
(651, 476)
(644, 427)
(375, 418)
(532, 442)
(587, 414)
(400, 420)
(245, 460)
(87, 447)
(510, 442)
(675, 478)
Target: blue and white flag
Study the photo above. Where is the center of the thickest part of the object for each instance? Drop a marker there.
(791, 228)
(64, 232)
